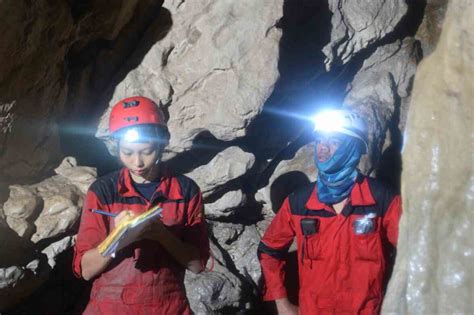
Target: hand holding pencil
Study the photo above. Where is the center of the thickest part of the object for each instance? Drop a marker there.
(130, 227)
(123, 215)
(117, 216)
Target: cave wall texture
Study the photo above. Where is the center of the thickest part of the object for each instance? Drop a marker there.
(434, 269)
(237, 80)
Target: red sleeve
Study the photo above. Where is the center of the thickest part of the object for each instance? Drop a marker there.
(195, 232)
(92, 231)
(272, 251)
(391, 220)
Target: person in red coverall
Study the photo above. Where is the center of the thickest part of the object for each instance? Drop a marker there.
(147, 277)
(345, 225)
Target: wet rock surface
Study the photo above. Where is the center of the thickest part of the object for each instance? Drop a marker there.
(433, 273)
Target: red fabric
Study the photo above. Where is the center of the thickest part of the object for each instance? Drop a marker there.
(339, 272)
(143, 278)
(136, 110)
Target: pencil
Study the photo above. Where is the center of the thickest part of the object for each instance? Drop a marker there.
(103, 212)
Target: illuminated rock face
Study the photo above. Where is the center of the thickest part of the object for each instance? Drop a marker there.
(214, 68)
(358, 24)
(227, 165)
(380, 91)
(38, 227)
(434, 269)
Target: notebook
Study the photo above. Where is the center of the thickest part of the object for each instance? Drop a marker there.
(128, 231)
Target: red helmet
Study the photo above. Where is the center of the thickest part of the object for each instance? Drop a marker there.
(133, 111)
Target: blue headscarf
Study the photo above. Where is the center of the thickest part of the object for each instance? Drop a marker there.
(337, 176)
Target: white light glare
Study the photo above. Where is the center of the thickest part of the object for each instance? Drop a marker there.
(131, 135)
(329, 121)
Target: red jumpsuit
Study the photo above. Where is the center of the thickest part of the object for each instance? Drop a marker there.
(143, 278)
(342, 268)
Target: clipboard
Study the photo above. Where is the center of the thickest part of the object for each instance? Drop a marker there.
(128, 231)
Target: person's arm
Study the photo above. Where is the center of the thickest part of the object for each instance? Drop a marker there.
(92, 231)
(192, 251)
(285, 307)
(93, 263)
(272, 253)
(391, 220)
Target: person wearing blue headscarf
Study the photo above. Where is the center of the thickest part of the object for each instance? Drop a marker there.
(336, 157)
(345, 225)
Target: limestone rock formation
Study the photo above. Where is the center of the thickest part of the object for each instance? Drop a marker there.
(226, 205)
(357, 24)
(238, 252)
(433, 272)
(39, 37)
(20, 207)
(380, 92)
(286, 176)
(215, 68)
(40, 220)
(244, 254)
(80, 176)
(51, 207)
(430, 29)
(224, 167)
(240, 75)
(215, 289)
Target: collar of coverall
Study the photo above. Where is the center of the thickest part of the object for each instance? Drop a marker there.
(360, 195)
(169, 187)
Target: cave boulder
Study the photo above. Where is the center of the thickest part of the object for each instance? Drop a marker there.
(214, 69)
(433, 271)
(358, 24)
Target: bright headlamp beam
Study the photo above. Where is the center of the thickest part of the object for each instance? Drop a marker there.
(131, 135)
(329, 121)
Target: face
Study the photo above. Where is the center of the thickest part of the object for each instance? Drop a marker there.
(327, 145)
(139, 158)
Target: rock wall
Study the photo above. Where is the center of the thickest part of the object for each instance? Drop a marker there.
(40, 40)
(233, 50)
(38, 224)
(434, 269)
(238, 81)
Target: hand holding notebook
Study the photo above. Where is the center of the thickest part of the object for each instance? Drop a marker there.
(128, 231)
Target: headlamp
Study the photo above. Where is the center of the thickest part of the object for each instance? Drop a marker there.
(341, 121)
(131, 135)
(329, 121)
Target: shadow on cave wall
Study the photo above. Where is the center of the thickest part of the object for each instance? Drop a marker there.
(95, 70)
